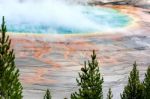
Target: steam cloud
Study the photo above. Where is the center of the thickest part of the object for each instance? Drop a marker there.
(53, 14)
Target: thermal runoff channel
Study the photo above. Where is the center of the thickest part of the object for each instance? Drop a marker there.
(60, 17)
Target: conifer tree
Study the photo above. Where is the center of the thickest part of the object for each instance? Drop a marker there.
(146, 85)
(47, 94)
(10, 87)
(109, 95)
(134, 88)
(90, 81)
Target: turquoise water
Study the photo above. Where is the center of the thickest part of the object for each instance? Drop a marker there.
(85, 19)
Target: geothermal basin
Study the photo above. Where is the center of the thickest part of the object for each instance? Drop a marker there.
(50, 58)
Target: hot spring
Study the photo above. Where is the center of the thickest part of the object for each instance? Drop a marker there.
(52, 16)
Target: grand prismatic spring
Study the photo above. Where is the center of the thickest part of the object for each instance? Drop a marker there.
(46, 17)
(53, 38)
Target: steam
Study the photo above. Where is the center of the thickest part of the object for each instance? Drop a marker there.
(49, 15)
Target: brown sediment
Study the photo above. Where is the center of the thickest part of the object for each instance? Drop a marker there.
(37, 77)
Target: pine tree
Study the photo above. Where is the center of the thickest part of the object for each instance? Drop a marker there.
(47, 94)
(90, 81)
(109, 95)
(134, 88)
(10, 87)
(146, 85)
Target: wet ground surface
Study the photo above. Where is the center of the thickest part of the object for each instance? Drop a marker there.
(54, 61)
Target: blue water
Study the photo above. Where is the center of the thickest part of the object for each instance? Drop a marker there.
(93, 19)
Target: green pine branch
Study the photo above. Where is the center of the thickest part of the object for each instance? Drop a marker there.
(146, 85)
(89, 81)
(47, 94)
(109, 95)
(10, 87)
(134, 88)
